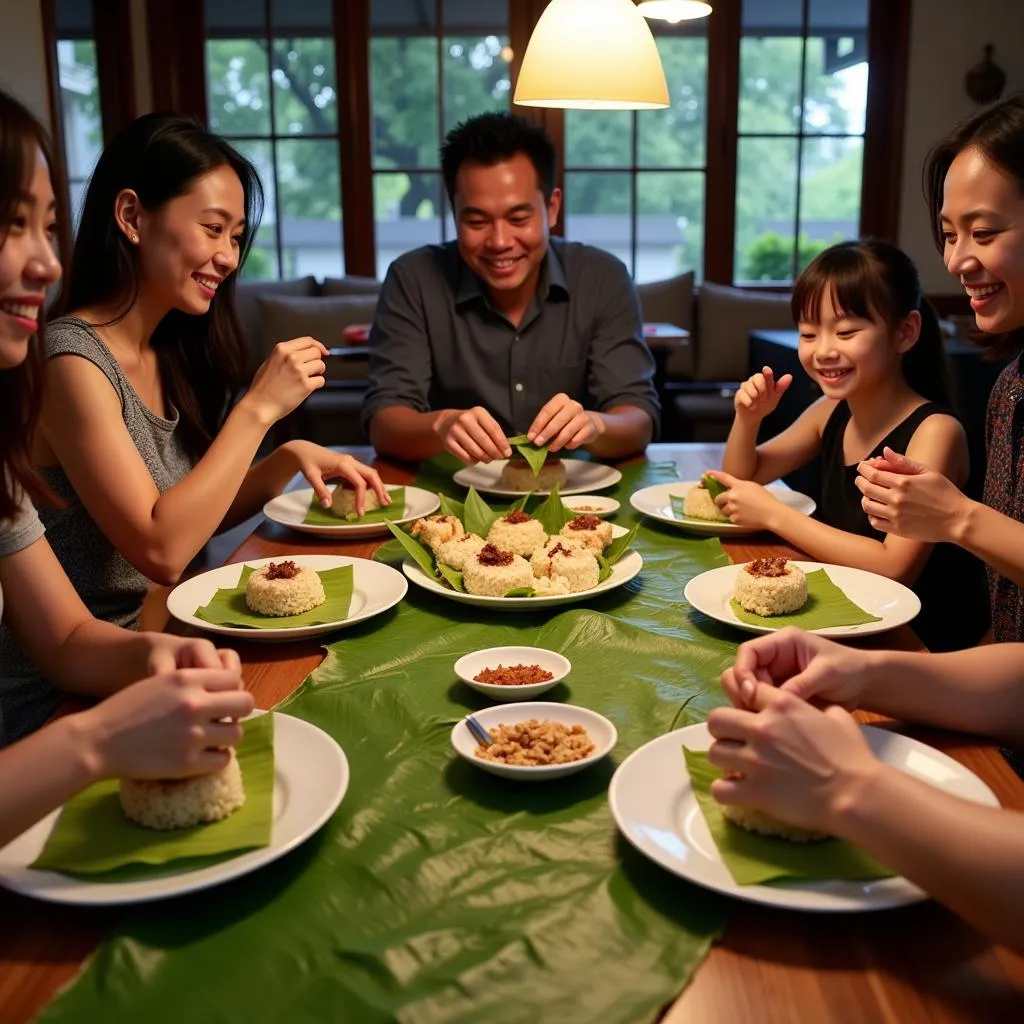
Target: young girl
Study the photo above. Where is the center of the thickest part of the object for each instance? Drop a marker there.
(138, 434)
(975, 181)
(163, 726)
(872, 343)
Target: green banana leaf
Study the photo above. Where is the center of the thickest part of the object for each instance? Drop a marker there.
(535, 454)
(479, 517)
(93, 837)
(552, 514)
(714, 487)
(320, 516)
(439, 894)
(827, 607)
(228, 608)
(753, 859)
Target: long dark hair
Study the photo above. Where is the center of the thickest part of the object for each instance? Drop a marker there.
(871, 278)
(998, 132)
(21, 387)
(202, 359)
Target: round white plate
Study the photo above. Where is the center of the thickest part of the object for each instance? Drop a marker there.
(601, 731)
(622, 572)
(895, 604)
(311, 776)
(591, 505)
(472, 664)
(654, 502)
(290, 508)
(580, 476)
(375, 589)
(654, 807)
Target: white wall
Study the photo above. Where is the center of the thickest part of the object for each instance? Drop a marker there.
(22, 56)
(946, 41)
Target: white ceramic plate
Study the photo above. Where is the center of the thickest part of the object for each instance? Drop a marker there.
(580, 476)
(375, 589)
(654, 807)
(592, 505)
(654, 502)
(311, 776)
(290, 508)
(470, 665)
(622, 572)
(895, 604)
(602, 733)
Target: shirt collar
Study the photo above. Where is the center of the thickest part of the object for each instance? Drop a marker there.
(552, 275)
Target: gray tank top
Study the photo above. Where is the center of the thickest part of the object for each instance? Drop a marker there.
(109, 585)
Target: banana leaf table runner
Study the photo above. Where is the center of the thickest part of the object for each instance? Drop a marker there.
(439, 894)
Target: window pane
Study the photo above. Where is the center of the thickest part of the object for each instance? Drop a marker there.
(765, 209)
(309, 189)
(675, 136)
(771, 64)
(404, 101)
(830, 180)
(836, 71)
(407, 211)
(476, 77)
(598, 138)
(305, 86)
(669, 225)
(598, 211)
(262, 263)
(80, 112)
(237, 86)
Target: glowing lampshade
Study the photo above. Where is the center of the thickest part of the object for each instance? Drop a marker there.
(596, 54)
(674, 11)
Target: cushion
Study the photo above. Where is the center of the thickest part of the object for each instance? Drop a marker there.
(350, 285)
(246, 295)
(726, 316)
(671, 302)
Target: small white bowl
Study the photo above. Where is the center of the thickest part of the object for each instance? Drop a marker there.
(470, 665)
(602, 733)
(596, 505)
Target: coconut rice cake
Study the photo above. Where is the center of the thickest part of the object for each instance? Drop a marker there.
(516, 475)
(591, 531)
(437, 530)
(770, 586)
(283, 588)
(517, 532)
(698, 504)
(492, 572)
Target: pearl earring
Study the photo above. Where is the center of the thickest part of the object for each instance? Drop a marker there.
(133, 238)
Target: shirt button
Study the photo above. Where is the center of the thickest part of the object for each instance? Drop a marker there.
(519, 385)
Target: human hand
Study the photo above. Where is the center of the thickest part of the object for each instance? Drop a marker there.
(318, 464)
(759, 395)
(171, 725)
(746, 503)
(563, 423)
(791, 760)
(472, 435)
(292, 371)
(168, 653)
(800, 663)
(910, 499)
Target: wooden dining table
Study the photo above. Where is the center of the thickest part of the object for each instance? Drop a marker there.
(914, 964)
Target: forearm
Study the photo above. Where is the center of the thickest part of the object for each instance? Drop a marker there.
(406, 434)
(188, 514)
(828, 544)
(628, 429)
(977, 691)
(741, 457)
(267, 479)
(98, 658)
(992, 537)
(40, 772)
(966, 856)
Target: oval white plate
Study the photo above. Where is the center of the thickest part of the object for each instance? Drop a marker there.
(311, 776)
(622, 572)
(652, 801)
(895, 604)
(580, 476)
(375, 589)
(595, 505)
(290, 508)
(602, 733)
(470, 665)
(654, 502)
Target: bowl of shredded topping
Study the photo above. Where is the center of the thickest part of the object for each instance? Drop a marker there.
(512, 673)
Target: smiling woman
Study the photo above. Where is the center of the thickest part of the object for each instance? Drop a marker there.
(140, 434)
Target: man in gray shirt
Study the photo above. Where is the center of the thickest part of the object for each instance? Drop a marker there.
(506, 330)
